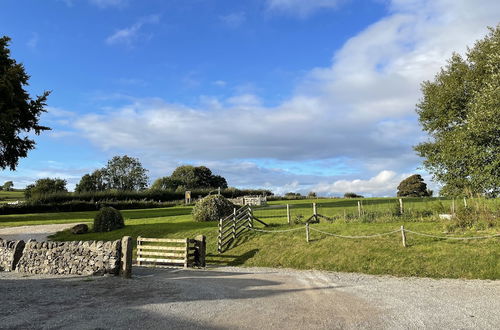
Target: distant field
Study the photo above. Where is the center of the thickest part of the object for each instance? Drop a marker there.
(11, 196)
(424, 256)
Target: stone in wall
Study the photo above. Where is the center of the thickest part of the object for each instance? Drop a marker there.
(75, 258)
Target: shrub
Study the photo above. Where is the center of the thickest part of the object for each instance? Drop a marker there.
(212, 208)
(108, 219)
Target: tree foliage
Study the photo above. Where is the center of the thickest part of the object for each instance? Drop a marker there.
(190, 177)
(413, 186)
(19, 113)
(460, 110)
(121, 173)
(45, 186)
(8, 185)
(92, 182)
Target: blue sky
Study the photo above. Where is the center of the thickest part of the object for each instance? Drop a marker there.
(289, 95)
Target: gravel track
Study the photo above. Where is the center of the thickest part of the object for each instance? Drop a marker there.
(37, 232)
(246, 298)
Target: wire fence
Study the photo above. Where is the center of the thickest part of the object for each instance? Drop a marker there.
(307, 228)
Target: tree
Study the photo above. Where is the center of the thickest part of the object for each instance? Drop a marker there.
(8, 185)
(45, 186)
(125, 173)
(92, 182)
(352, 195)
(413, 186)
(460, 110)
(190, 177)
(19, 113)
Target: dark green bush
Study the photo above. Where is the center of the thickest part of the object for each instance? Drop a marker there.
(108, 219)
(212, 208)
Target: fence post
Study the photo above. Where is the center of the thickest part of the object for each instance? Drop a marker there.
(401, 206)
(453, 206)
(465, 202)
(288, 213)
(186, 254)
(315, 212)
(201, 248)
(307, 232)
(359, 209)
(126, 257)
(403, 235)
(139, 243)
(219, 239)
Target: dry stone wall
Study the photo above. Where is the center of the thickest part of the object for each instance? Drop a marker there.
(64, 258)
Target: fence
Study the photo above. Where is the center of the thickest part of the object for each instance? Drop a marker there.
(168, 252)
(232, 226)
(307, 228)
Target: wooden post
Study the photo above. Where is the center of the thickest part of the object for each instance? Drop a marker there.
(307, 232)
(465, 202)
(186, 254)
(315, 212)
(288, 214)
(201, 248)
(126, 257)
(139, 243)
(403, 235)
(401, 210)
(359, 209)
(250, 217)
(234, 224)
(453, 206)
(219, 239)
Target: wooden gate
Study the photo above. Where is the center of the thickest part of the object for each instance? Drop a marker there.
(232, 226)
(168, 252)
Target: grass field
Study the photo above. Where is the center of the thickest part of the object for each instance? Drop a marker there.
(424, 256)
(11, 196)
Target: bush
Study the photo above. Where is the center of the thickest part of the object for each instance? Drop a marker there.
(212, 208)
(108, 219)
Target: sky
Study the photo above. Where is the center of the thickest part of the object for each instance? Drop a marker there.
(287, 95)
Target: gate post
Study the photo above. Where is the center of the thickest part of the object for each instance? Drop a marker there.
(200, 252)
(126, 257)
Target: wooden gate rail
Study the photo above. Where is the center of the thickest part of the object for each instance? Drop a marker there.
(168, 252)
(232, 226)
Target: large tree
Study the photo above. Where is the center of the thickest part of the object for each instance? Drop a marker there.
(460, 110)
(92, 182)
(413, 186)
(19, 113)
(125, 173)
(190, 177)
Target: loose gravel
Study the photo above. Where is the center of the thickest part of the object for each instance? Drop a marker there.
(246, 298)
(38, 232)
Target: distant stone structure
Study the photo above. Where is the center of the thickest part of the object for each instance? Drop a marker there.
(250, 200)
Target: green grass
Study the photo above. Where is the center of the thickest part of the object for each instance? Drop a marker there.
(11, 196)
(424, 257)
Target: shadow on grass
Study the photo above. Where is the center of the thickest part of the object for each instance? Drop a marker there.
(230, 259)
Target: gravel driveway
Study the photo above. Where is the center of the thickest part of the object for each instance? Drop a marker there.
(245, 298)
(38, 232)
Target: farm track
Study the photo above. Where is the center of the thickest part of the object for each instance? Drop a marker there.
(246, 298)
(37, 232)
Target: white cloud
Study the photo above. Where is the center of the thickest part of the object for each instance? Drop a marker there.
(233, 20)
(360, 109)
(383, 184)
(301, 8)
(129, 34)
